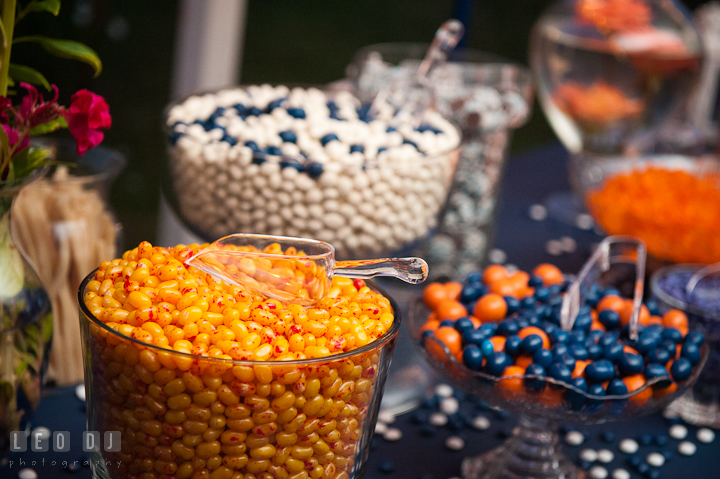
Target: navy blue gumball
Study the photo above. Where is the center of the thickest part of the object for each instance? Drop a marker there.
(565, 359)
(535, 281)
(690, 351)
(594, 351)
(613, 351)
(508, 327)
(672, 334)
(578, 352)
(659, 356)
(472, 357)
(463, 324)
(630, 363)
(531, 343)
(447, 322)
(599, 371)
(513, 305)
(559, 336)
(596, 390)
(617, 387)
(653, 371)
(488, 329)
(535, 384)
(496, 363)
(695, 337)
(681, 369)
(583, 322)
(576, 336)
(513, 345)
(473, 336)
(609, 318)
(559, 349)
(560, 372)
(575, 399)
(543, 357)
(608, 338)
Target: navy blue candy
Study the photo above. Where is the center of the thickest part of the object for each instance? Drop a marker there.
(576, 336)
(275, 104)
(472, 357)
(559, 349)
(661, 439)
(690, 351)
(253, 146)
(647, 342)
(634, 460)
(229, 139)
(596, 390)
(522, 321)
(559, 336)
(653, 474)
(543, 357)
(473, 336)
(645, 440)
(659, 356)
(548, 327)
(695, 337)
(578, 352)
(608, 338)
(594, 336)
(528, 302)
(681, 369)
(410, 142)
(582, 323)
(594, 351)
(672, 334)
(543, 311)
(609, 318)
(508, 327)
(512, 304)
(575, 399)
(328, 138)
(471, 292)
(542, 294)
(463, 324)
(599, 371)
(487, 348)
(424, 335)
(616, 387)
(535, 281)
(288, 136)
(630, 363)
(535, 384)
(314, 169)
(174, 137)
(363, 112)
(496, 363)
(292, 164)
(610, 291)
(513, 345)
(670, 346)
(254, 111)
(560, 372)
(565, 359)
(607, 436)
(531, 343)
(613, 352)
(488, 329)
(296, 112)
(273, 150)
(258, 159)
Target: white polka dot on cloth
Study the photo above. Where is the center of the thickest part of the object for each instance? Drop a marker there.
(705, 435)
(687, 448)
(629, 446)
(574, 438)
(454, 443)
(678, 431)
(620, 474)
(393, 434)
(598, 472)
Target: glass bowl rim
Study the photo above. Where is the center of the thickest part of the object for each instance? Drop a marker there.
(116, 163)
(327, 89)
(374, 345)
(288, 240)
(676, 303)
(697, 369)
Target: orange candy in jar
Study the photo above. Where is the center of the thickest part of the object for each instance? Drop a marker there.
(183, 416)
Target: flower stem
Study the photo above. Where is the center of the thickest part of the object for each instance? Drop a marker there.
(8, 21)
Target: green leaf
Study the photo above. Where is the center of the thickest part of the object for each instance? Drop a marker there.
(29, 158)
(51, 6)
(3, 35)
(65, 49)
(28, 75)
(49, 127)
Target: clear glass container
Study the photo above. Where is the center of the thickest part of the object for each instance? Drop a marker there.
(383, 208)
(608, 69)
(127, 383)
(487, 97)
(701, 404)
(26, 325)
(65, 225)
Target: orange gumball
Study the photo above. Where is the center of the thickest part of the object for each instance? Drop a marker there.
(675, 319)
(549, 273)
(634, 383)
(550, 397)
(434, 294)
(511, 384)
(450, 309)
(660, 393)
(597, 326)
(498, 343)
(631, 350)
(452, 290)
(579, 368)
(611, 302)
(520, 280)
(504, 287)
(450, 337)
(626, 313)
(430, 325)
(523, 361)
(491, 307)
(528, 330)
(476, 322)
(493, 273)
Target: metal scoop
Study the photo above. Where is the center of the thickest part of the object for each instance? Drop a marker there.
(300, 272)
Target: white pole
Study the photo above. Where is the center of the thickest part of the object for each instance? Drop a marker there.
(208, 50)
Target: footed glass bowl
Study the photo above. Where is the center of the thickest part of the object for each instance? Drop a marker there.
(182, 415)
(534, 450)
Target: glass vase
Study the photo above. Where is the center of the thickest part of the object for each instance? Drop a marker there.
(65, 225)
(26, 325)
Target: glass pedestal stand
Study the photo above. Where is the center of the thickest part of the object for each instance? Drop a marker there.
(533, 451)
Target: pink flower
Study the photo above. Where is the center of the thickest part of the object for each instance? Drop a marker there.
(87, 115)
(13, 137)
(33, 113)
(5, 103)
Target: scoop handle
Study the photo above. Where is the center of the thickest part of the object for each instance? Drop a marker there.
(446, 39)
(410, 270)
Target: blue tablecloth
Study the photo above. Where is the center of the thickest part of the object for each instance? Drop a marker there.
(529, 179)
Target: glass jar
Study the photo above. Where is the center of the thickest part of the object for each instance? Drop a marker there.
(608, 69)
(131, 385)
(487, 97)
(65, 225)
(26, 325)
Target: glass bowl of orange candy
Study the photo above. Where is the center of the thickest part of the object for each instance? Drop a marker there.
(671, 202)
(497, 336)
(204, 379)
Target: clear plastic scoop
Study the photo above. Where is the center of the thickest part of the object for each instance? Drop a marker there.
(612, 250)
(414, 94)
(293, 270)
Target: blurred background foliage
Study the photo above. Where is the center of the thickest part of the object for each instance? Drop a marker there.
(285, 42)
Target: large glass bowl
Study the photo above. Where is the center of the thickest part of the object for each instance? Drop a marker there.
(365, 211)
(181, 415)
(671, 202)
(534, 450)
(488, 97)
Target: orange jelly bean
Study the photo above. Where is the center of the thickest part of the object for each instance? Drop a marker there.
(491, 307)
(550, 274)
(450, 309)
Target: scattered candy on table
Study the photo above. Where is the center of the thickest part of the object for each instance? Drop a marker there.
(687, 448)
(300, 162)
(678, 431)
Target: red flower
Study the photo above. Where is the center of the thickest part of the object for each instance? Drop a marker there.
(5, 103)
(13, 137)
(33, 113)
(88, 113)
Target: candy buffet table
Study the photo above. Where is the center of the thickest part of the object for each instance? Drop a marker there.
(422, 450)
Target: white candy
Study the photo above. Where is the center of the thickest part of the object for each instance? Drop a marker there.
(438, 419)
(705, 435)
(605, 456)
(393, 434)
(27, 473)
(386, 416)
(589, 455)
(449, 406)
(444, 390)
(80, 392)
(678, 431)
(620, 474)
(655, 459)
(381, 428)
(481, 423)
(687, 448)
(629, 446)
(598, 472)
(574, 438)
(454, 443)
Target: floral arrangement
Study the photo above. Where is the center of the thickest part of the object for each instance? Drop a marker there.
(24, 112)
